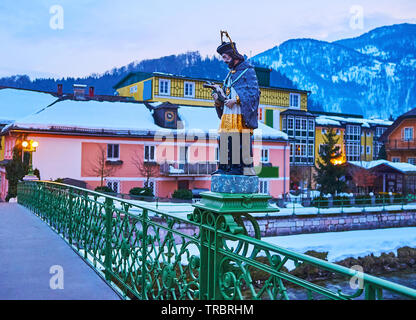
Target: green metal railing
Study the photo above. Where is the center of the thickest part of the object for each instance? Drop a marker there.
(145, 253)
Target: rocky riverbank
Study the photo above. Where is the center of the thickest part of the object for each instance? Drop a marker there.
(374, 265)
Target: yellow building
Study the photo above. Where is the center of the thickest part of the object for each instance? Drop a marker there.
(162, 87)
(358, 136)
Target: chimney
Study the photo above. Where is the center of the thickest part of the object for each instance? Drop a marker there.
(59, 89)
(79, 91)
(91, 92)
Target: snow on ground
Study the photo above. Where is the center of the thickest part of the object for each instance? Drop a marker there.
(345, 244)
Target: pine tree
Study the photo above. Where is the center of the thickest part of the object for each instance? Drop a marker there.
(15, 171)
(382, 154)
(330, 176)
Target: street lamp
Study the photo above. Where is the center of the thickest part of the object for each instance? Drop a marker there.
(30, 147)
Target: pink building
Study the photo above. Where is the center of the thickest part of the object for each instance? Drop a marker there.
(169, 146)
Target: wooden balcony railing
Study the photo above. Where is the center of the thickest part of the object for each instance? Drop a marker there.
(401, 144)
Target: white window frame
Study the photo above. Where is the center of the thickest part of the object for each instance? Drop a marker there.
(264, 186)
(291, 95)
(311, 150)
(133, 89)
(368, 151)
(112, 181)
(192, 95)
(265, 155)
(411, 160)
(407, 137)
(168, 87)
(112, 158)
(292, 121)
(396, 159)
(150, 158)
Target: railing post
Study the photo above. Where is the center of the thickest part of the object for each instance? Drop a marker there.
(145, 217)
(70, 214)
(108, 264)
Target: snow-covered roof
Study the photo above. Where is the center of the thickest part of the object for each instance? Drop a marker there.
(400, 166)
(325, 120)
(78, 114)
(18, 103)
(120, 117)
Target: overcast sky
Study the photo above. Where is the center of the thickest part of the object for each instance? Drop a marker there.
(76, 38)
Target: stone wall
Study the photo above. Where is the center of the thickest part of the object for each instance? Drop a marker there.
(316, 223)
(297, 224)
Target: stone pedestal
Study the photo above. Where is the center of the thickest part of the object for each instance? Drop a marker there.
(234, 184)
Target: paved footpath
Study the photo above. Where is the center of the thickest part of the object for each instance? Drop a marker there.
(28, 250)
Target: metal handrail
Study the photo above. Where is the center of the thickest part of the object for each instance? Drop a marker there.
(148, 253)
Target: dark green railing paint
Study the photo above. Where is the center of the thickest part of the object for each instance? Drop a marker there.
(144, 255)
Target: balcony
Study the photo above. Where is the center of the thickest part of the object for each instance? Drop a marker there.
(401, 145)
(187, 169)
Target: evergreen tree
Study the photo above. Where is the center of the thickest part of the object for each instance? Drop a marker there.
(382, 154)
(15, 171)
(330, 176)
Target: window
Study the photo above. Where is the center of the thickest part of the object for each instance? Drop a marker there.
(362, 149)
(353, 151)
(310, 150)
(380, 131)
(291, 149)
(290, 123)
(264, 186)
(113, 185)
(338, 132)
(149, 153)
(368, 151)
(353, 133)
(411, 161)
(311, 125)
(368, 133)
(113, 152)
(323, 131)
(261, 115)
(265, 155)
(164, 87)
(395, 159)
(189, 89)
(294, 100)
(407, 134)
(133, 89)
(297, 124)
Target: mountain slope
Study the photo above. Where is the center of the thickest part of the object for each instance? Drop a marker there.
(373, 74)
(189, 64)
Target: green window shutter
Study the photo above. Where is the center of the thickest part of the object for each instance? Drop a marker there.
(269, 118)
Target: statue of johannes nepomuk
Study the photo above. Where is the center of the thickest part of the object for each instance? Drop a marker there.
(236, 104)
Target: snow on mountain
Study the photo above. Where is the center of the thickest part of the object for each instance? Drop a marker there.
(372, 75)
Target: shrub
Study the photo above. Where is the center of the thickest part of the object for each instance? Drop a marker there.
(341, 201)
(182, 194)
(104, 189)
(137, 191)
(321, 202)
(362, 200)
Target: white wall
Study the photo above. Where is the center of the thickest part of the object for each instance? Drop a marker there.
(57, 157)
